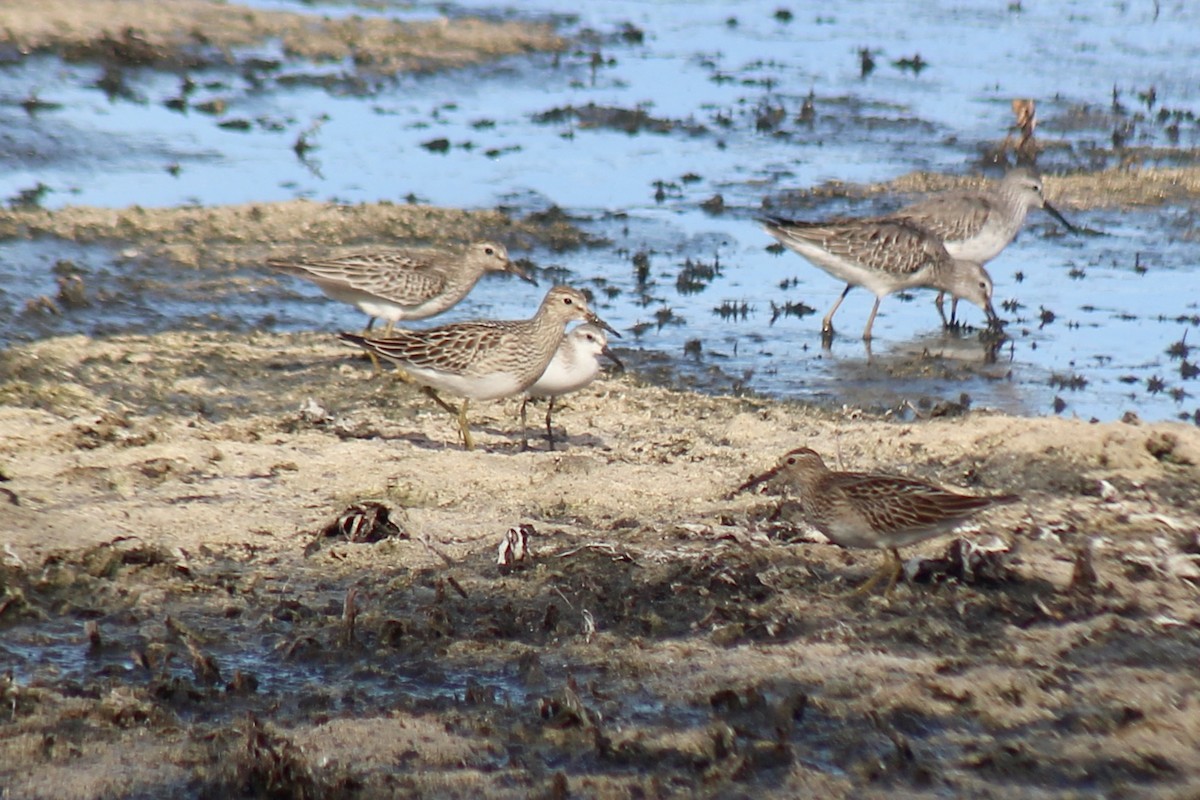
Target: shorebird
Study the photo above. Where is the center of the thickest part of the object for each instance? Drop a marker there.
(406, 284)
(486, 359)
(576, 364)
(872, 510)
(977, 224)
(884, 256)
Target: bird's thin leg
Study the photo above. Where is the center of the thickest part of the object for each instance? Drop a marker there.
(391, 326)
(549, 430)
(871, 320)
(894, 562)
(937, 301)
(463, 427)
(524, 426)
(376, 367)
(460, 412)
(954, 311)
(432, 394)
(827, 323)
(890, 569)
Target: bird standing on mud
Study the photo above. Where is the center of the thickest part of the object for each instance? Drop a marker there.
(576, 364)
(872, 510)
(485, 359)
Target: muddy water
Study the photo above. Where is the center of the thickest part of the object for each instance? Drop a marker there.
(659, 108)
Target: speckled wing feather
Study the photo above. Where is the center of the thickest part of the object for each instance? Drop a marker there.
(952, 217)
(452, 348)
(382, 273)
(889, 245)
(890, 503)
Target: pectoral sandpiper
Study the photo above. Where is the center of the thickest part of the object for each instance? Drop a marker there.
(486, 359)
(400, 285)
(872, 510)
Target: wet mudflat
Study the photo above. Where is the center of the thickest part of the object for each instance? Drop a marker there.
(173, 605)
(661, 133)
(179, 431)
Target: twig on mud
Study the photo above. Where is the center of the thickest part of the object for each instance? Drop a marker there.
(433, 549)
(747, 537)
(601, 547)
(91, 629)
(558, 591)
(180, 631)
(293, 647)
(1083, 575)
(349, 615)
(204, 666)
(11, 558)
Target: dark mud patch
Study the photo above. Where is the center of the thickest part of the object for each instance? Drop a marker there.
(631, 121)
(616, 664)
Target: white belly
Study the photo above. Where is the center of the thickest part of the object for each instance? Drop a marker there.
(561, 378)
(492, 386)
(876, 281)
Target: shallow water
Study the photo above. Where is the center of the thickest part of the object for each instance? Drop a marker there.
(712, 78)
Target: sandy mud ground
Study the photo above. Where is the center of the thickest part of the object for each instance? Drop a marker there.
(162, 503)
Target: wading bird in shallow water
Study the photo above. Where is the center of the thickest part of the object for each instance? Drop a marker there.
(883, 256)
(977, 224)
(576, 364)
(872, 510)
(486, 359)
(398, 285)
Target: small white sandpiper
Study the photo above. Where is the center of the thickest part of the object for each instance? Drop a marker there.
(576, 364)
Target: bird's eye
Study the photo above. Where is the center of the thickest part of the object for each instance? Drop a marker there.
(491, 251)
(792, 460)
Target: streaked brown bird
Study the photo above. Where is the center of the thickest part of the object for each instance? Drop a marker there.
(484, 359)
(884, 256)
(872, 510)
(977, 224)
(397, 285)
